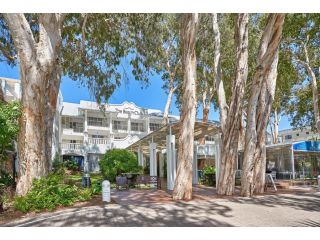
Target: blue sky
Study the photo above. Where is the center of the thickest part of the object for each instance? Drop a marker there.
(152, 96)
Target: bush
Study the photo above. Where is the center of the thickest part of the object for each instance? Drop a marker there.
(209, 170)
(6, 179)
(71, 165)
(48, 193)
(117, 161)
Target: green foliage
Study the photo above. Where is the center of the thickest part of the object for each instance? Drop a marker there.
(71, 165)
(209, 170)
(9, 126)
(6, 179)
(48, 193)
(117, 161)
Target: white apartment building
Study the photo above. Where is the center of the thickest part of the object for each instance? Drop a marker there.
(296, 135)
(87, 132)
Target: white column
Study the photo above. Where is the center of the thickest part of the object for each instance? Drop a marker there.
(17, 90)
(217, 142)
(140, 157)
(292, 162)
(195, 165)
(129, 124)
(171, 161)
(153, 159)
(148, 125)
(110, 123)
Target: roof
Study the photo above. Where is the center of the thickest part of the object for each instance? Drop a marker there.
(201, 130)
(305, 146)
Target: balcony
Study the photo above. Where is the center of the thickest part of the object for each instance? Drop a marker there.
(99, 141)
(206, 150)
(72, 148)
(78, 131)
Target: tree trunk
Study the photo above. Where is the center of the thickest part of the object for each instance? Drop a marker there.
(231, 129)
(183, 183)
(259, 107)
(274, 125)
(37, 64)
(1, 95)
(167, 106)
(52, 93)
(315, 98)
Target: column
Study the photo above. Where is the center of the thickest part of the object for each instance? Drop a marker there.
(148, 125)
(85, 144)
(129, 124)
(171, 161)
(153, 159)
(292, 162)
(195, 165)
(17, 90)
(140, 157)
(217, 142)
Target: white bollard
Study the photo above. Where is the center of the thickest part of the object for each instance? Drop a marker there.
(106, 191)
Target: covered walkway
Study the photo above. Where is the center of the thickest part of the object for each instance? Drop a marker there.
(158, 150)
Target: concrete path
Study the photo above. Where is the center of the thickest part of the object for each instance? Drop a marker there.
(302, 209)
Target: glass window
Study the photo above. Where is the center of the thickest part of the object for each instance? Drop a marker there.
(94, 121)
(154, 126)
(120, 125)
(137, 127)
(307, 133)
(287, 137)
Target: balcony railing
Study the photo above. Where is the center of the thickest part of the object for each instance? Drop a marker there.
(100, 141)
(71, 146)
(206, 150)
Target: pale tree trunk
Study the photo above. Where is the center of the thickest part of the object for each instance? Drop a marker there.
(183, 183)
(1, 95)
(37, 62)
(52, 92)
(274, 126)
(259, 107)
(315, 95)
(231, 127)
(168, 103)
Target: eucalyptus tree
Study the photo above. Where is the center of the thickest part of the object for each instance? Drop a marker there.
(183, 182)
(156, 44)
(86, 48)
(302, 35)
(259, 107)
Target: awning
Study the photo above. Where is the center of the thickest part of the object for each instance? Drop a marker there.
(159, 136)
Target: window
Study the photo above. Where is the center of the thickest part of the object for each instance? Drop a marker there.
(287, 137)
(138, 127)
(154, 126)
(210, 138)
(297, 134)
(307, 133)
(72, 123)
(94, 121)
(120, 125)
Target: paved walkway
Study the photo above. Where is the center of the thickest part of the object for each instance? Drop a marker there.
(155, 208)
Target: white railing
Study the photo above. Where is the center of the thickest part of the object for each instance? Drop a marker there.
(71, 146)
(102, 141)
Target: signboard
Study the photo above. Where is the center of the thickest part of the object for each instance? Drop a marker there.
(106, 191)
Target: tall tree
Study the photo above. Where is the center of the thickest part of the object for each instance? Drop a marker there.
(156, 40)
(302, 42)
(230, 116)
(259, 107)
(183, 183)
(37, 60)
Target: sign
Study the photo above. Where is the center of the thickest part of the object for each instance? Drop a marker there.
(106, 191)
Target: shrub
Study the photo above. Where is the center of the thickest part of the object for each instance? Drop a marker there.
(48, 193)
(71, 165)
(209, 170)
(117, 161)
(6, 179)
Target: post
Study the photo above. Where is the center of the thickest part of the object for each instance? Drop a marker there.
(195, 165)
(140, 157)
(171, 161)
(153, 159)
(217, 142)
(292, 163)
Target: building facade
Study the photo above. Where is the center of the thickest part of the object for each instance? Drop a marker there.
(296, 135)
(87, 132)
